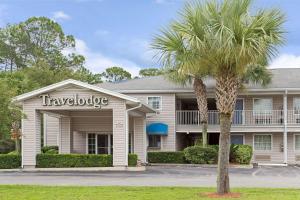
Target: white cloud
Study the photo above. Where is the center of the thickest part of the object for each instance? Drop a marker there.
(97, 62)
(60, 15)
(286, 61)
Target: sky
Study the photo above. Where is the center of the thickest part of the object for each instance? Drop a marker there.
(119, 32)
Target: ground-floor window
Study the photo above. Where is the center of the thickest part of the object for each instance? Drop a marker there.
(297, 142)
(99, 143)
(154, 141)
(237, 139)
(262, 142)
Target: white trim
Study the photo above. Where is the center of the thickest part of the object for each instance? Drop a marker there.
(238, 134)
(77, 83)
(160, 106)
(45, 129)
(254, 150)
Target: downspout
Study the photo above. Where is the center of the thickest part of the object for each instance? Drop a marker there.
(285, 151)
(127, 129)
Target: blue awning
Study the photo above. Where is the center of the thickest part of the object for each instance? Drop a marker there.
(157, 129)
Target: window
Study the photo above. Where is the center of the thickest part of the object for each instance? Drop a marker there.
(296, 106)
(154, 102)
(297, 142)
(154, 141)
(262, 106)
(262, 142)
(237, 139)
(91, 143)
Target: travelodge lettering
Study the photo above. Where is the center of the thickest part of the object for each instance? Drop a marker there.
(96, 102)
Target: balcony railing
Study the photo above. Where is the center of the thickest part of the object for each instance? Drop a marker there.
(239, 118)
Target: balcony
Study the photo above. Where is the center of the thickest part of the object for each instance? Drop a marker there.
(240, 118)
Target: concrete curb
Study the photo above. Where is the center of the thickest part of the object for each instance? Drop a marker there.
(199, 165)
(78, 169)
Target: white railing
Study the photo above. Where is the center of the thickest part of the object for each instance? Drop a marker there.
(293, 117)
(239, 118)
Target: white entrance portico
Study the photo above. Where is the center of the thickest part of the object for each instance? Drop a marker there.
(84, 115)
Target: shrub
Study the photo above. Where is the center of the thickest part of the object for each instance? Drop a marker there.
(166, 157)
(241, 154)
(14, 153)
(10, 161)
(47, 148)
(132, 160)
(73, 160)
(201, 155)
(7, 146)
(52, 151)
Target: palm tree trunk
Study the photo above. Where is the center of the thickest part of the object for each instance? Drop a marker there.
(201, 96)
(226, 93)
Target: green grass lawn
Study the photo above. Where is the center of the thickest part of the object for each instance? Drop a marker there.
(16, 192)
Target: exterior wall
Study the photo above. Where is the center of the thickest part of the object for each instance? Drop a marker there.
(32, 125)
(84, 122)
(275, 155)
(65, 135)
(51, 130)
(166, 115)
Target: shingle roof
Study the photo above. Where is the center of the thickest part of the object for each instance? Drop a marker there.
(282, 78)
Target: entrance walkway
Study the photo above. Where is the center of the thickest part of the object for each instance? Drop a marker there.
(275, 177)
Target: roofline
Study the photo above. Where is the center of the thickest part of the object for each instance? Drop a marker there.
(28, 95)
(209, 90)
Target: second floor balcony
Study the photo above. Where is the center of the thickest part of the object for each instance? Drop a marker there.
(240, 117)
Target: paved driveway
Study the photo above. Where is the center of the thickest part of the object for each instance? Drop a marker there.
(284, 177)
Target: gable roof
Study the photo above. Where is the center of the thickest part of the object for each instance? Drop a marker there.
(283, 78)
(76, 83)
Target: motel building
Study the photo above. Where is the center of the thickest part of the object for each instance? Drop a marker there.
(154, 114)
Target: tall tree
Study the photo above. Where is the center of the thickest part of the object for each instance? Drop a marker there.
(115, 74)
(182, 68)
(150, 72)
(229, 38)
(36, 40)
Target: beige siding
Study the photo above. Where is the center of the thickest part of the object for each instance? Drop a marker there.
(31, 135)
(119, 135)
(276, 154)
(165, 115)
(51, 128)
(140, 140)
(65, 135)
(79, 142)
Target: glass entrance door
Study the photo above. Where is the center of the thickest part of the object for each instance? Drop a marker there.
(99, 143)
(102, 146)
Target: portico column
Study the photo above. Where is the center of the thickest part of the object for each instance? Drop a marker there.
(31, 136)
(140, 138)
(285, 150)
(119, 136)
(65, 135)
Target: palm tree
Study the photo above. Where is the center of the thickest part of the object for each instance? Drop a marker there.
(229, 39)
(179, 68)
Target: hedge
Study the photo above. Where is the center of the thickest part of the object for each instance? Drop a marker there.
(166, 157)
(201, 155)
(78, 160)
(7, 146)
(45, 149)
(132, 160)
(10, 161)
